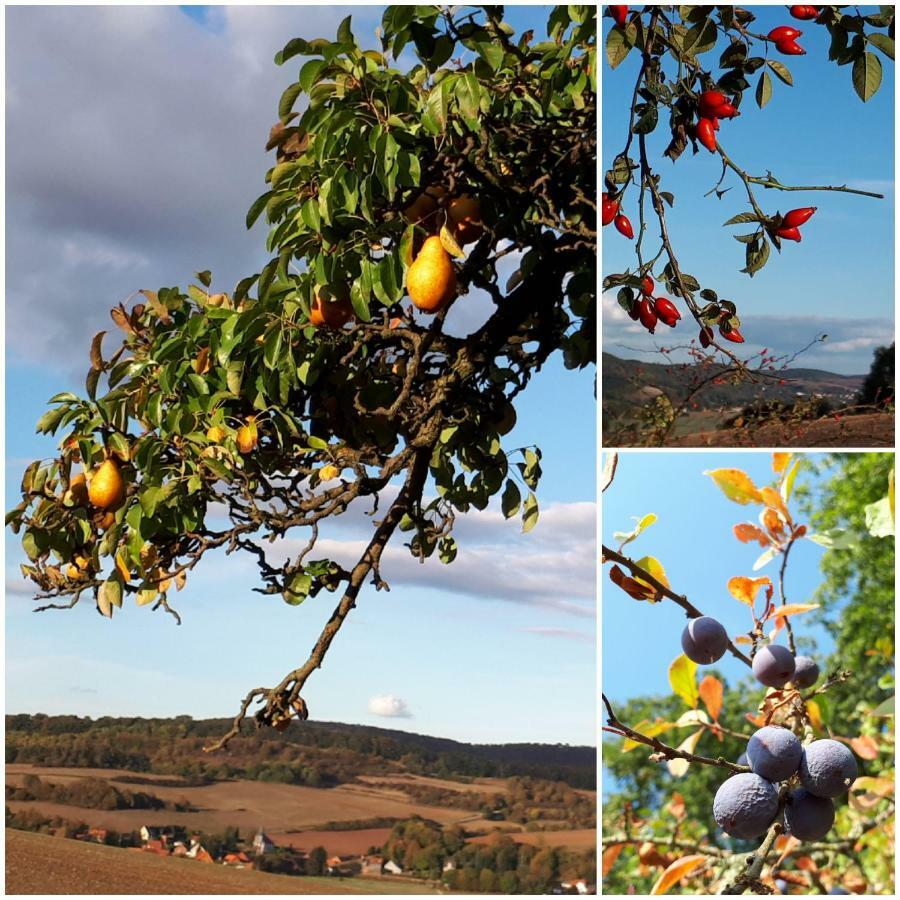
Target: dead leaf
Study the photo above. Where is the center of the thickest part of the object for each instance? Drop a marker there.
(711, 695)
(679, 869)
(745, 532)
(864, 747)
(610, 855)
(96, 356)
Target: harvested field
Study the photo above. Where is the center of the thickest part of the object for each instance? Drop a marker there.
(577, 839)
(39, 864)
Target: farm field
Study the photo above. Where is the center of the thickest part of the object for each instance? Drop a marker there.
(39, 864)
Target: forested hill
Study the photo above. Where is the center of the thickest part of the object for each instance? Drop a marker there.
(322, 753)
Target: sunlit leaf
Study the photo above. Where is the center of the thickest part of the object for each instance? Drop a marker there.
(610, 855)
(678, 767)
(679, 869)
(626, 537)
(865, 747)
(780, 461)
(735, 485)
(692, 717)
(745, 589)
(711, 694)
(683, 680)
(746, 532)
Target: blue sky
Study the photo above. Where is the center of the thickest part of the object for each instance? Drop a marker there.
(150, 193)
(840, 279)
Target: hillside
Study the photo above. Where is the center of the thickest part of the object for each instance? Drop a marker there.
(40, 864)
(625, 381)
(319, 754)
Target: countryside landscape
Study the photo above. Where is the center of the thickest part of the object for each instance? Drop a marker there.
(372, 810)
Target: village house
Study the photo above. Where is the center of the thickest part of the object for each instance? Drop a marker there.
(262, 843)
(344, 866)
(238, 860)
(372, 865)
(198, 851)
(166, 834)
(391, 868)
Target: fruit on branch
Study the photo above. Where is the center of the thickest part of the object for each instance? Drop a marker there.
(806, 672)
(77, 493)
(647, 285)
(730, 334)
(742, 760)
(217, 300)
(827, 768)
(808, 817)
(333, 310)
(465, 214)
(745, 805)
(727, 111)
(774, 753)
(667, 311)
(704, 640)
(794, 218)
(647, 314)
(248, 436)
(710, 102)
(706, 336)
(706, 134)
(805, 13)
(619, 14)
(773, 665)
(789, 47)
(783, 33)
(107, 487)
(425, 206)
(623, 226)
(609, 208)
(431, 279)
(215, 433)
(789, 234)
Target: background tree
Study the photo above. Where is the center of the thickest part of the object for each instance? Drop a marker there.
(311, 385)
(658, 823)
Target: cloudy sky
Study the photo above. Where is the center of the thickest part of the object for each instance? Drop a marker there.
(840, 280)
(135, 144)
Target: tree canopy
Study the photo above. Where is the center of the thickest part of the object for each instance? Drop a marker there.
(235, 417)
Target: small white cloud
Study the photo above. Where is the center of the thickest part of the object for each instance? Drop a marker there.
(566, 634)
(389, 706)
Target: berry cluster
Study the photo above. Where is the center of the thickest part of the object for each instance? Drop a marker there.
(712, 106)
(650, 310)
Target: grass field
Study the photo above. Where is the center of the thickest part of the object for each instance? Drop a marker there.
(39, 864)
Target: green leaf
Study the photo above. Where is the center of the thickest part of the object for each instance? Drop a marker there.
(529, 513)
(866, 75)
(757, 257)
(259, 204)
(288, 98)
(883, 42)
(110, 592)
(510, 500)
(617, 47)
(309, 73)
(763, 90)
(781, 71)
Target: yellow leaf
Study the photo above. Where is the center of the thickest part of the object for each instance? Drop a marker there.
(743, 639)
(780, 461)
(654, 567)
(772, 498)
(792, 609)
(678, 767)
(815, 715)
(648, 728)
(692, 717)
(735, 485)
(679, 869)
(787, 486)
(683, 679)
(148, 595)
(884, 787)
(448, 242)
(711, 695)
(746, 589)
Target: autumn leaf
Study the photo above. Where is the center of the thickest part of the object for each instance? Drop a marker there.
(772, 521)
(746, 589)
(745, 532)
(735, 485)
(864, 747)
(610, 855)
(780, 461)
(635, 589)
(679, 869)
(815, 715)
(773, 499)
(791, 609)
(653, 567)
(683, 679)
(711, 695)
(787, 486)
(884, 787)
(626, 537)
(678, 767)
(650, 729)
(676, 806)
(692, 717)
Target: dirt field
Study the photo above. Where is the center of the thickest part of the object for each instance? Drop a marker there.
(873, 430)
(579, 839)
(39, 864)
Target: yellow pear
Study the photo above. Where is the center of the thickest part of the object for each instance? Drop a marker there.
(107, 487)
(465, 216)
(78, 492)
(431, 279)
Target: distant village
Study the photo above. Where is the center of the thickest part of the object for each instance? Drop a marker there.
(264, 854)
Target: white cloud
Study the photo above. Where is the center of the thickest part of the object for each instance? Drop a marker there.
(389, 706)
(567, 634)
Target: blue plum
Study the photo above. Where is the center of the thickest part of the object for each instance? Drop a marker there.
(774, 753)
(827, 768)
(806, 672)
(704, 640)
(773, 665)
(808, 817)
(745, 805)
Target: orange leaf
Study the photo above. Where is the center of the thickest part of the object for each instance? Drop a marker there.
(772, 521)
(743, 639)
(610, 855)
(780, 461)
(745, 589)
(679, 869)
(772, 498)
(711, 695)
(635, 589)
(676, 806)
(735, 485)
(745, 532)
(806, 863)
(864, 747)
(790, 609)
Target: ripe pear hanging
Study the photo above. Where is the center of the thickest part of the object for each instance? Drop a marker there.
(431, 279)
(107, 487)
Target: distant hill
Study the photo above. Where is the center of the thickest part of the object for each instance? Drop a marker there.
(630, 381)
(312, 753)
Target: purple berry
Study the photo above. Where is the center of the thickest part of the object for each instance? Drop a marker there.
(806, 672)
(808, 817)
(774, 753)
(827, 768)
(704, 640)
(773, 665)
(745, 805)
